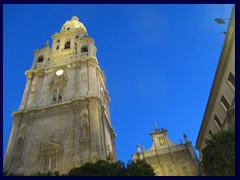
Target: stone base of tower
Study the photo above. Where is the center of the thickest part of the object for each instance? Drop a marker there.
(59, 137)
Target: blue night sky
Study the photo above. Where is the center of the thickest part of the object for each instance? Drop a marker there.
(159, 61)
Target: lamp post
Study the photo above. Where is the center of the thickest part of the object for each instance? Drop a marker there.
(221, 21)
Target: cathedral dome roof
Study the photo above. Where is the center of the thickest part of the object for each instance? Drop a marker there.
(72, 25)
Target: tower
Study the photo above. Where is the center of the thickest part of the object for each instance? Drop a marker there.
(63, 120)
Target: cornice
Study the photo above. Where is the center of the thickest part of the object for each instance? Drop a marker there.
(43, 50)
(73, 64)
(67, 33)
(42, 108)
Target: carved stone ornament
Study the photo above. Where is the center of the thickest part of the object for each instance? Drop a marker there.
(58, 81)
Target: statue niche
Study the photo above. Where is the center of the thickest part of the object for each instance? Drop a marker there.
(20, 143)
(57, 84)
(84, 126)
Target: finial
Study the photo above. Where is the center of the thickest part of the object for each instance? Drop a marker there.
(47, 42)
(143, 148)
(156, 124)
(138, 148)
(74, 18)
(185, 137)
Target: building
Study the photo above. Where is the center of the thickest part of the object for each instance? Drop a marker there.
(168, 158)
(220, 110)
(63, 120)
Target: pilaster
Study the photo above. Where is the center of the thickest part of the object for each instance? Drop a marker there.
(27, 89)
(11, 144)
(94, 127)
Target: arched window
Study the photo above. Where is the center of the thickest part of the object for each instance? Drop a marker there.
(40, 59)
(57, 94)
(57, 47)
(84, 49)
(67, 45)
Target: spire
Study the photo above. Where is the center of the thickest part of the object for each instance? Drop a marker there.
(45, 45)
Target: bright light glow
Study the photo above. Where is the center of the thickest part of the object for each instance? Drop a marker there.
(59, 72)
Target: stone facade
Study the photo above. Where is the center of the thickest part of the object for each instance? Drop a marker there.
(63, 120)
(168, 158)
(220, 110)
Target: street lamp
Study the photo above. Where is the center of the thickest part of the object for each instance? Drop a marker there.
(221, 21)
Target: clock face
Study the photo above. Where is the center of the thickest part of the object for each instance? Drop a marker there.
(59, 72)
(161, 141)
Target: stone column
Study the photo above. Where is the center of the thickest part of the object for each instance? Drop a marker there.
(78, 51)
(164, 173)
(90, 48)
(26, 91)
(91, 78)
(175, 163)
(94, 127)
(37, 96)
(11, 142)
(77, 80)
(72, 43)
(104, 150)
(76, 157)
(26, 122)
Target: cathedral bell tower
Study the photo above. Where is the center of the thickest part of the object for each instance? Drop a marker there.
(63, 120)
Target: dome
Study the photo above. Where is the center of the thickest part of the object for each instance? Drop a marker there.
(72, 25)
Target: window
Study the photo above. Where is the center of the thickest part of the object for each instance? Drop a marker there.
(217, 121)
(225, 103)
(57, 47)
(84, 49)
(210, 133)
(68, 29)
(57, 94)
(76, 36)
(58, 40)
(231, 79)
(40, 59)
(49, 156)
(67, 45)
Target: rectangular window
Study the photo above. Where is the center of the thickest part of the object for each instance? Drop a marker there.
(231, 79)
(225, 102)
(217, 121)
(210, 133)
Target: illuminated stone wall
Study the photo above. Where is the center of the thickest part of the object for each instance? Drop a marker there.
(63, 120)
